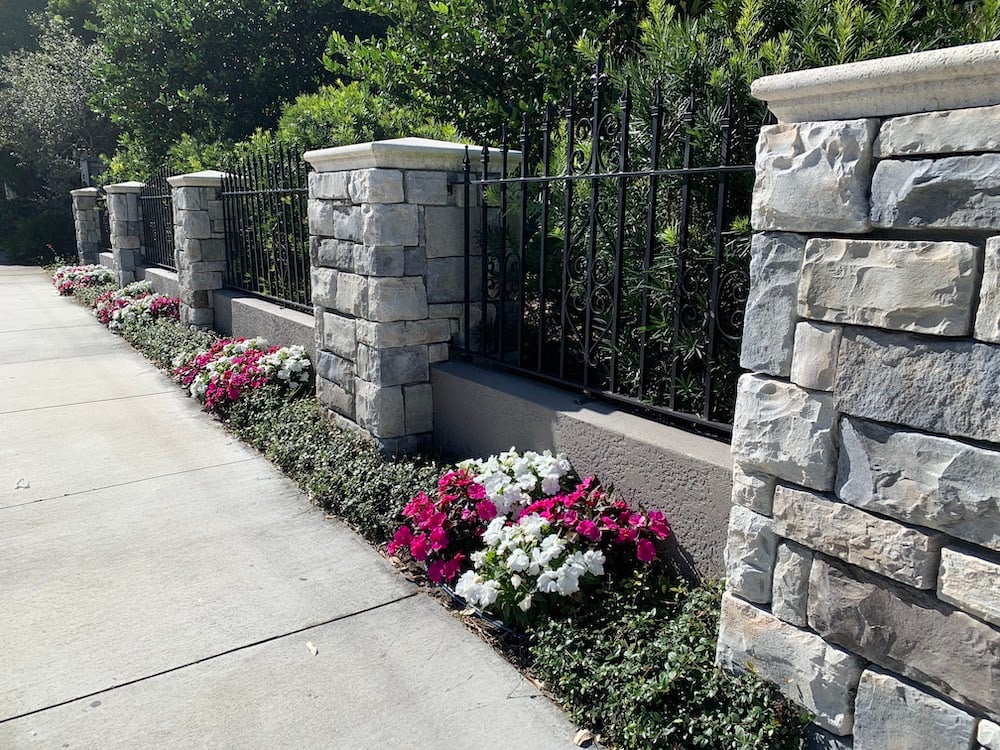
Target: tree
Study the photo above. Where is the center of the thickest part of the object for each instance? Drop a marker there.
(213, 70)
(16, 29)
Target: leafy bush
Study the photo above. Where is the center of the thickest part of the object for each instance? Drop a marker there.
(639, 667)
(164, 340)
(88, 295)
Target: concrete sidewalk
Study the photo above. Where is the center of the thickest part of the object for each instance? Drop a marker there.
(160, 581)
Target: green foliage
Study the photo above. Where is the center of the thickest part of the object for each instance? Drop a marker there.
(215, 71)
(476, 63)
(87, 295)
(345, 114)
(164, 340)
(639, 667)
(341, 470)
(16, 28)
(36, 231)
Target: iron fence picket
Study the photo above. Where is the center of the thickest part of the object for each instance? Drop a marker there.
(156, 209)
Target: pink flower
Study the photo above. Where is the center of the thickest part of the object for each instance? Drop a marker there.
(418, 547)
(658, 524)
(589, 530)
(645, 550)
(636, 520)
(570, 517)
(435, 571)
(402, 538)
(453, 567)
(439, 539)
(626, 535)
(486, 510)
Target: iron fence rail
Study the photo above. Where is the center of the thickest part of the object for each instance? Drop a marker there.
(265, 199)
(156, 209)
(103, 221)
(612, 259)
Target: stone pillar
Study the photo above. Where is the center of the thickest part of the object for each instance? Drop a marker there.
(87, 224)
(199, 242)
(126, 228)
(388, 280)
(864, 543)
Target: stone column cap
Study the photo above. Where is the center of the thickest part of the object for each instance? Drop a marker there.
(950, 78)
(124, 187)
(403, 153)
(205, 178)
(87, 192)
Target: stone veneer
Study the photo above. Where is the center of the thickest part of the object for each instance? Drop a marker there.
(86, 223)
(386, 221)
(125, 220)
(864, 554)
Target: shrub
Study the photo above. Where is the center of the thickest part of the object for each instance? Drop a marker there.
(638, 666)
(164, 340)
(88, 295)
(67, 279)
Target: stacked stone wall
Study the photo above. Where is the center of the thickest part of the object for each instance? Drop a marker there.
(125, 221)
(864, 545)
(86, 224)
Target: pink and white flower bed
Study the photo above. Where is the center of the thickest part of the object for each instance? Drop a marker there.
(67, 278)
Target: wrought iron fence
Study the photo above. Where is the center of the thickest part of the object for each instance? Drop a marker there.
(614, 256)
(103, 221)
(156, 208)
(265, 198)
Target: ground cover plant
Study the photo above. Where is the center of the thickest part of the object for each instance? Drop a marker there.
(67, 279)
(134, 305)
(617, 638)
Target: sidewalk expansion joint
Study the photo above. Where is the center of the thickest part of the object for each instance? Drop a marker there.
(93, 401)
(227, 652)
(49, 328)
(179, 472)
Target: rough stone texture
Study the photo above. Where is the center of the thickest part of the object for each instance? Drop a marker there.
(335, 397)
(988, 315)
(446, 279)
(947, 387)
(749, 555)
(391, 299)
(892, 715)
(403, 333)
(376, 186)
(821, 677)
(956, 192)
(437, 353)
(418, 403)
(814, 362)
(949, 132)
(820, 739)
(970, 583)
(908, 632)
(389, 224)
(332, 253)
(753, 489)
(444, 231)
(324, 287)
(379, 409)
(336, 369)
(924, 287)
(786, 431)
(769, 321)
(378, 261)
(329, 219)
(814, 176)
(426, 188)
(988, 734)
(899, 552)
(790, 589)
(330, 185)
(351, 294)
(388, 367)
(921, 479)
(339, 335)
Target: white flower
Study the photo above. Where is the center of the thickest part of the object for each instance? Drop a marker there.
(594, 561)
(488, 593)
(493, 530)
(525, 603)
(516, 581)
(548, 583)
(518, 560)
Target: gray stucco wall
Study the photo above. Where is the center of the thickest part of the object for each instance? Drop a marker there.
(479, 411)
(237, 314)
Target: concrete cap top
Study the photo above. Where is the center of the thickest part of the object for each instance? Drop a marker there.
(402, 153)
(124, 187)
(87, 192)
(205, 178)
(949, 78)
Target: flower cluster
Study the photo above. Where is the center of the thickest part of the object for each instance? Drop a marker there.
(67, 278)
(528, 530)
(232, 366)
(134, 303)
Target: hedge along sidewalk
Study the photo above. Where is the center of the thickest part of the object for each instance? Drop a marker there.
(143, 540)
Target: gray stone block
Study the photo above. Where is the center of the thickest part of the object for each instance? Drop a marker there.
(324, 287)
(204, 280)
(814, 176)
(753, 489)
(414, 261)
(84, 203)
(389, 224)
(948, 387)
(903, 553)
(215, 210)
(203, 317)
(949, 132)
(437, 353)
(957, 192)
(893, 715)
(821, 677)
(426, 188)
(971, 583)
(190, 198)
(907, 632)
(749, 556)
(213, 250)
(790, 588)
(329, 219)
(339, 335)
(351, 294)
(195, 298)
(396, 298)
(194, 225)
(444, 232)
(418, 402)
(332, 396)
(388, 367)
(378, 261)
(335, 369)
(333, 253)
(921, 479)
(924, 287)
(786, 431)
(814, 361)
(769, 321)
(330, 185)
(446, 279)
(399, 334)
(988, 315)
(819, 739)
(380, 410)
(376, 186)
(988, 734)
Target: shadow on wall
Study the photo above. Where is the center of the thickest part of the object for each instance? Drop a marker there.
(479, 411)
